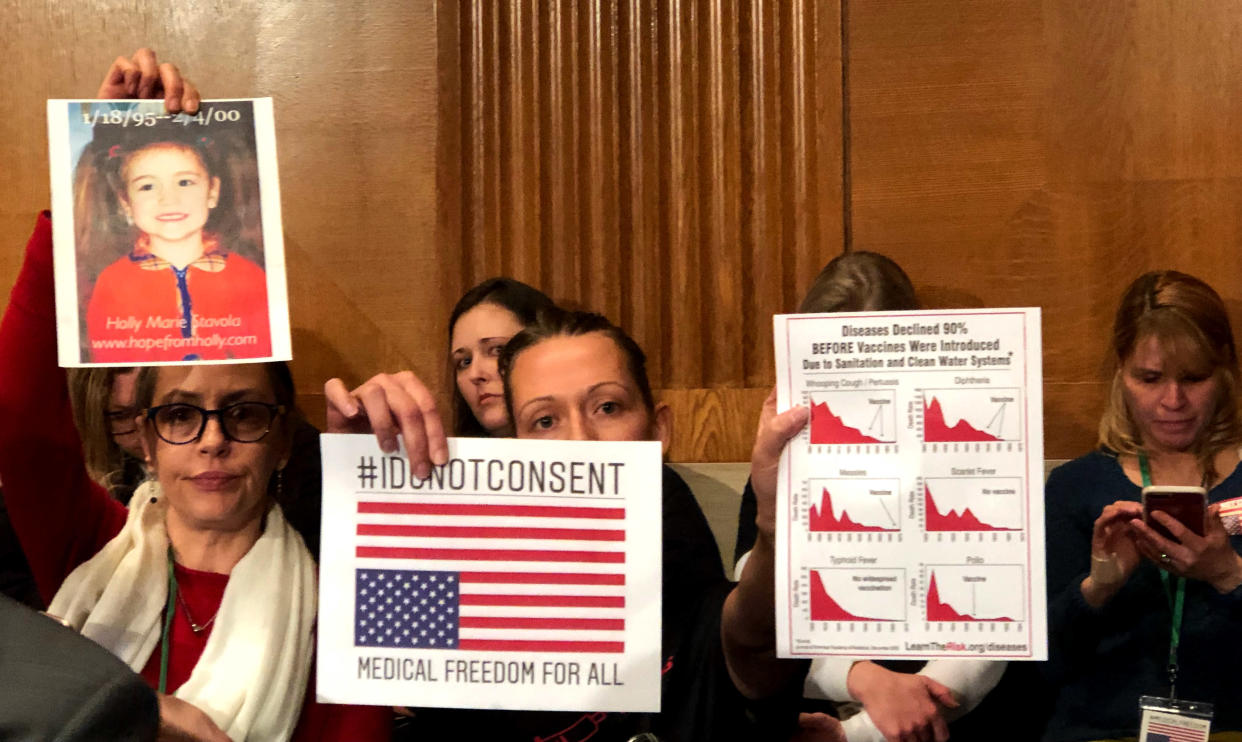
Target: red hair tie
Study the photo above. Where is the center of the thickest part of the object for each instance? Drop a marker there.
(114, 151)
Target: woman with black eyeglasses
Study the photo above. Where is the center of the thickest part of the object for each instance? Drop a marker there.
(201, 586)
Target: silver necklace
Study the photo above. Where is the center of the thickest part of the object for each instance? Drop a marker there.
(196, 628)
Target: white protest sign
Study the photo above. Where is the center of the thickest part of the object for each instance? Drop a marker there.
(910, 510)
(520, 575)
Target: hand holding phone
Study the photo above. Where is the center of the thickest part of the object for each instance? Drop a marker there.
(1188, 505)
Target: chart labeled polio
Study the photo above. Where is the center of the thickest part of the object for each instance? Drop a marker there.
(910, 507)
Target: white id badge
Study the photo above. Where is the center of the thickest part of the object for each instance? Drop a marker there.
(1171, 720)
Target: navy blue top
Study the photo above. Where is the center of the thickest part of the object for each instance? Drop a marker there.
(1102, 660)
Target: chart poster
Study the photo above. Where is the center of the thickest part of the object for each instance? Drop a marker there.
(910, 509)
(520, 575)
(167, 233)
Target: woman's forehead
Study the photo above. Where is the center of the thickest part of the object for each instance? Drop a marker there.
(212, 381)
(1171, 352)
(482, 321)
(567, 364)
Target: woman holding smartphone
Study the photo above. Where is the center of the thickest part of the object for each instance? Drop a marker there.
(1114, 583)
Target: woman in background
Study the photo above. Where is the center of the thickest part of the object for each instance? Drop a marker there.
(388, 405)
(857, 281)
(1172, 419)
(480, 324)
(575, 376)
(105, 415)
(897, 701)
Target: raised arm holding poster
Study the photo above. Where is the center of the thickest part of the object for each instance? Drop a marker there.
(910, 511)
(519, 575)
(167, 234)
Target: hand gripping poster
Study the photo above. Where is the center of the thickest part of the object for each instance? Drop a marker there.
(519, 575)
(167, 233)
(910, 509)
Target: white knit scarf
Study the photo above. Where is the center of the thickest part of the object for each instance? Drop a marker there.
(251, 678)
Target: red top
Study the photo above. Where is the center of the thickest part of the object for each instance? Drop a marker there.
(143, 310)
(62, 517)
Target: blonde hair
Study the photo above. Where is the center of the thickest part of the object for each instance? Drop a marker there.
(860, 281)
(90, 391)
(1189, 320)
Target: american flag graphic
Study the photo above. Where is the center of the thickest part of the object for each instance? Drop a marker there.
(472, 576)
(1159, 732)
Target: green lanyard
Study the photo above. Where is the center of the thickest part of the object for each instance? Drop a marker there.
(1176, 602)
(168, 617)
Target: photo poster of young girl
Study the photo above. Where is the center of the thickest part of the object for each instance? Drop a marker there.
(166, 231)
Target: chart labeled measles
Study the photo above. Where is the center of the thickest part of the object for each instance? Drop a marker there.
(167, 235)
(910, 508)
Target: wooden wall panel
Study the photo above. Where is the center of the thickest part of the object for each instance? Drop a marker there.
(1031, 152)
(355, 99)
(678, 164)
(675, 164)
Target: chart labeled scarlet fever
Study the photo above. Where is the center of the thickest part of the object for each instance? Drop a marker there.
(518, 575)
(910, 508)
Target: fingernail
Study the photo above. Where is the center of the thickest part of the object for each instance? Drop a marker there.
(440, 456)
(388, 445)
(422, 470)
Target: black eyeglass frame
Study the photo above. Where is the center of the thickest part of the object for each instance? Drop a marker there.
(275, 410)
(124, 417)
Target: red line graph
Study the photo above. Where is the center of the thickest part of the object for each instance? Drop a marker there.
(936, 430)
(824, 608)
(952, 520)
(938, 610)
(821, 518)
(828, 428)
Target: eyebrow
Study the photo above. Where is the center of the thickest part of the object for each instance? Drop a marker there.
(544, 398)
(182, 395)
(590, 390)
(466, 349)
(595, 387)
(140, 176)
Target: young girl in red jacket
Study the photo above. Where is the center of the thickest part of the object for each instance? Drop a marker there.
(168, 208)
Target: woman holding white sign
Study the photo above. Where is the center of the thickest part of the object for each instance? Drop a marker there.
(1133, 612)
(897, 701)
(575, 376)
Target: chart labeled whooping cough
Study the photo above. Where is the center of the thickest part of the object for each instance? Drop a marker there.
(910, 508)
